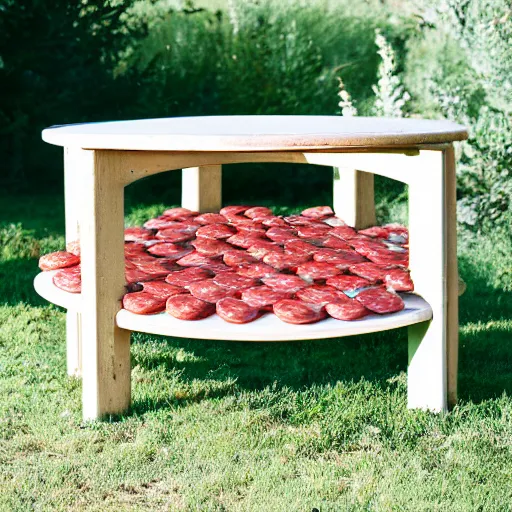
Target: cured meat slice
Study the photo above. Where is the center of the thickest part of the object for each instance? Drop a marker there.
(236, 257)
(263, 297)
(234, 281)
(143, 303)
(281, 235)
(285, 282)
(68, 279)
(314, 270)
(187, 307)
(59, 259)
(258, 211)
(371, 271)
(209, 291)
(284, 260)
(375, 232)
(343, 232)
(298, 312)
(261, 247)
(159, 223)
(169, 250)
(300, 247)
(348, 282)
(184, 277)
(134, 249)
(338, 257)
(135, 275)
(174, 235)
(162, 289)
(179, 213)
(349, 309)
(73, 247)
(399, 280)
(318, 212)
(153, 268)
(334, 222)
(320, 295)
(334, 242)
(217, 267)
(255, 270)
(299, 220)
(137, 234)
(244, 240)
(236, 311)
(274, 222)
(216, 231)
(313, 232)
(210, 218)
(194, 259)
(211, 248)
(251, 229)
(234, 210)
(387, 257)
(380, 301)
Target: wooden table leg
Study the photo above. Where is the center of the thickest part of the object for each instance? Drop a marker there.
(201, 188)
(105, 347)
(432, 372)
(353, 197)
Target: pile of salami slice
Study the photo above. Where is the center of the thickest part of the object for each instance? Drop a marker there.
(245, 261)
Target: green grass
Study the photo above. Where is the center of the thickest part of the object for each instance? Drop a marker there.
(218, 426)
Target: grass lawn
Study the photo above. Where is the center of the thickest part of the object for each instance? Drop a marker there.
(223, 426)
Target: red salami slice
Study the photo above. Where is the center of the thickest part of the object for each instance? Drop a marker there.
(186, 307)
(274, 222)
(134, 249)
(194, 259)
(234, 210)
(399, 280)
(236, 311)
(236, 257)
(184, 277)
(371, 271)
(348, 309)
(313, 232)
(152, 268)
(73, 247)
(234, 281)
(314, 270)
(299, 220)
(338, 257)
(335, 243)
(380, 301)
(285, 282)
(210, 218)
(263, 297)
(300, 247)
(159, 223)
(134, 275)
(255, 270)
(174, 235)
(143, 303)
(251, 229)
(137, 234)
(244, 240)
(281, 235)
(209, 291)
(320, 295)
(169, 250)
(348, 282)
(216, 231)
(318, 212)
(375, 232)
(258, 211)
(387, 257)
(284, 260)
(57, 260)
(343, 232)
(68, 279)
(298, 312)
(334, 222)
(161, 289)
(261, 247)
(179, 213)
(210, 248)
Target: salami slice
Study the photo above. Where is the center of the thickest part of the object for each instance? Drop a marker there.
(284, 260)
(132, 249)
(313, 232)
(184, 277)
(375, 232)
(314, 270)
(236, 257)
(244, 240)
(334, 222)
(320, 295)
(318, 212)
(234, 281)
(153, 268)
(73, 247)
(143, 303)
(179, 213)
(380, 301)
(209, 291)
(387, 257)
(285, 282)
(300, 247)
(216, 231)
(334, 242)
(187, 307)
(349, 309)
(57, 260)
(261, 247)
(169, 250)
(194, 259)
(343, 232)
(210, 218)
(251, 229)
(161, 289)
(348, 282)
(210, 248)
(234, 210)
(174, 235)
(134, 275)
(258, 211)
(274, 222)
(263, 297)
(371, 271)
(255, 270)
(399, 280)
(281, 235)
(137, 234)
(298, 312)
(299, 220)
(159, 223)
(68, 279)
(338, 257)
(236, 311)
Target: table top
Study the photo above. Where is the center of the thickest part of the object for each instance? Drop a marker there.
(254, 133)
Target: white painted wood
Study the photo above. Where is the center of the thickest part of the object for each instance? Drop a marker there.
(353, 197)
(255, 133)
(105, 347)
(201, 188)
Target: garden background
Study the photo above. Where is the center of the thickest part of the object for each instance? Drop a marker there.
(232, 426)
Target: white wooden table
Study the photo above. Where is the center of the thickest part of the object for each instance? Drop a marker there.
(102, 158)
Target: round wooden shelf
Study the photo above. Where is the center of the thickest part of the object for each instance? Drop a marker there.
(267, 328)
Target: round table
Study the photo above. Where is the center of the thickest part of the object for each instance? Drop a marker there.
(102, 158)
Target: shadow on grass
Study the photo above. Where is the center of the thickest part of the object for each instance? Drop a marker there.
(16, 283)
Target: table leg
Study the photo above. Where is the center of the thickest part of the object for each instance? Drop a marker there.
(201, 188)
(106, 348)
(432, 372)
(353, 197)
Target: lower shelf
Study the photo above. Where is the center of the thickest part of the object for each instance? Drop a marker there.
(266, 328)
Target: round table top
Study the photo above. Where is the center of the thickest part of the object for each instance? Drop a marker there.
(254, 133)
